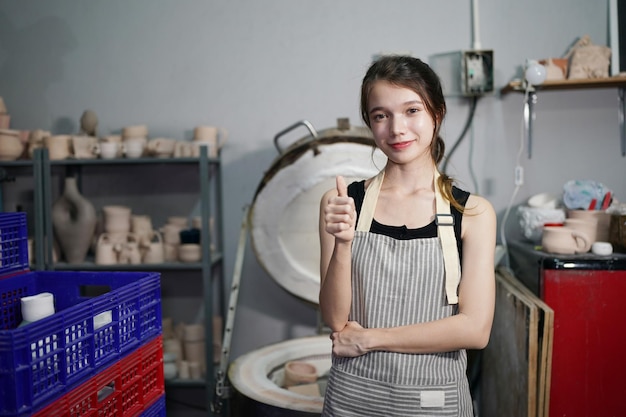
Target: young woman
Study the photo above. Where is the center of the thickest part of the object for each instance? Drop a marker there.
(392, 251)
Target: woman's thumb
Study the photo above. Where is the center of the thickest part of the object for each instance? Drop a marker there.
(342, 189)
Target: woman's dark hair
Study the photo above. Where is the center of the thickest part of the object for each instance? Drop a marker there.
(416, 75)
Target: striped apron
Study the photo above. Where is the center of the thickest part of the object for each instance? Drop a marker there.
(397, 283)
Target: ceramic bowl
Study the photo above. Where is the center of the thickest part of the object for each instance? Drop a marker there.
(189, 252)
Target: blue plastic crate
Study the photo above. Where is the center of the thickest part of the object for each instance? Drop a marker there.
(13, 243)
(43, 360)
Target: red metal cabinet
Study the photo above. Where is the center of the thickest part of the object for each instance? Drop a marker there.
(589, 351)
(588, 296)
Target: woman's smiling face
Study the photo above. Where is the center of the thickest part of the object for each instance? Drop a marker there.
(401, 125)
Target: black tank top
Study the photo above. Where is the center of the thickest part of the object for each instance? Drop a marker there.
(356, 190)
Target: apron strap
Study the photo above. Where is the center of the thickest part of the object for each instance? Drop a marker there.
(445, 230)
(447, 237)
(369, 203)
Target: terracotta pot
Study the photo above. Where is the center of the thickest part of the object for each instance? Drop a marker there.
(105, 250)
(161, 147)
(135, 131)
(588, 227)
(299, 372)
(36, 141)
(183, 149)
(116, 219)
(155, 252)
(11, 147)
(603, 221)
(5, 121)
(129, 251)
(213, 137)
(59, 146)
(170, 251)
(85, 147)
(189, 252)
(74, 222)
(180, 221)
(141, 225)
(171, 233)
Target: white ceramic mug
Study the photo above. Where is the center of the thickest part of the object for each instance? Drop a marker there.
(133, 148)
(107, 150)
(564, 241)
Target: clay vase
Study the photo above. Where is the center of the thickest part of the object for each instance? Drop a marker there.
(74, 221)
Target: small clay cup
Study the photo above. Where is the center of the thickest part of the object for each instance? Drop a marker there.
(299, 372)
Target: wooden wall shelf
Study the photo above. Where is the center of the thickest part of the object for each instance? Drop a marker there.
(617, 82)
(611, 82)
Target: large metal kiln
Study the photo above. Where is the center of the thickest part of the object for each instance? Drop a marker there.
(283, 224)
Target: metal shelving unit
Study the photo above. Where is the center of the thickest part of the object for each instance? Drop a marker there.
(210, 267)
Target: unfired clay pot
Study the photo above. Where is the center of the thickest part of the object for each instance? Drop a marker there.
(74, 221)
(154, 252)
(299, 372)
(116, 218)
(11, 147)
(105, 250)
(59, 146)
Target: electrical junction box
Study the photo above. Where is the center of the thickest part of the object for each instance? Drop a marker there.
(464, 73)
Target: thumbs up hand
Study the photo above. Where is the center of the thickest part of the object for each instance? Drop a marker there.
(342, 188)
(340, 213)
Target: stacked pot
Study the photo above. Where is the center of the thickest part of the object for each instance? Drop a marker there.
(127, 238)
(184, 347)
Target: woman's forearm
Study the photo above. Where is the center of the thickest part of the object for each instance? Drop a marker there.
(336, 289)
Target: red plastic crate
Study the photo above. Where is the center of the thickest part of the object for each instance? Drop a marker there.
(133, 386)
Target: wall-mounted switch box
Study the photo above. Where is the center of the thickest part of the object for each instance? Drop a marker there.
(464, 73)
